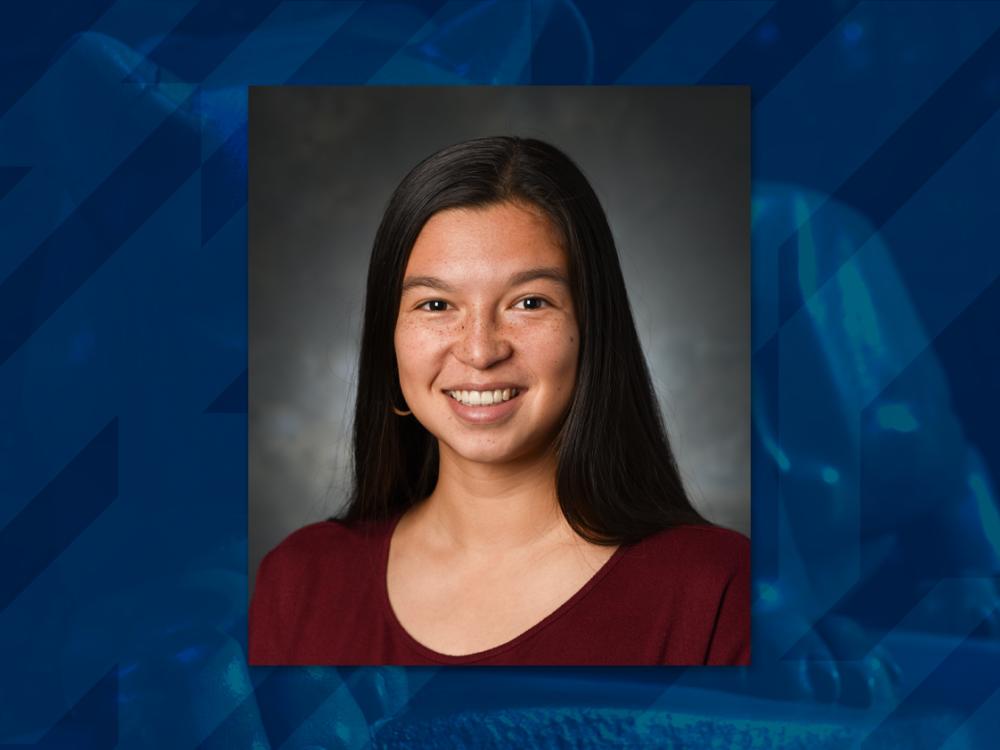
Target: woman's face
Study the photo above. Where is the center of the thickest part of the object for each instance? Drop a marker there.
(486, 309)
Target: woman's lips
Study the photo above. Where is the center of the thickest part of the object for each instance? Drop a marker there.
(485, 414)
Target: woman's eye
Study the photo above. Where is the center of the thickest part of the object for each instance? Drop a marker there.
(532, 303)
(434, 305)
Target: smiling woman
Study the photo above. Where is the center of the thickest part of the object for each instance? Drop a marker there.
(486, 307)
(516, 500)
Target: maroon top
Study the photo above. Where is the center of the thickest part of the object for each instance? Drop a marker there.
(680, 596)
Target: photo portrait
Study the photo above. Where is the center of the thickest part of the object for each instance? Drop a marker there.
(499, 382)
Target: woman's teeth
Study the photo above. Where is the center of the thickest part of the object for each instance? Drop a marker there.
(483, 398)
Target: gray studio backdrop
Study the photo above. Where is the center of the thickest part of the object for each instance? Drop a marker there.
(672, 169)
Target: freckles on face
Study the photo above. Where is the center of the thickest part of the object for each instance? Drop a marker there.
(486, 304)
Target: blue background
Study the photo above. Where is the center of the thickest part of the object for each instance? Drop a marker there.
(123, 330)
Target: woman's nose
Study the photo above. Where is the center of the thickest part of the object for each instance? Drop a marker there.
(482, 341)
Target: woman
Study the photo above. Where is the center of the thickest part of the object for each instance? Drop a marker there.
(515, 498)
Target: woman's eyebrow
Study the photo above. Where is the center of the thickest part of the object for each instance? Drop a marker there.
(521, 277)
(533, 274)
(432, 282)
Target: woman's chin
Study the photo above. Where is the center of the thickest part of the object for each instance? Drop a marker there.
(489, 455)
(507, 453)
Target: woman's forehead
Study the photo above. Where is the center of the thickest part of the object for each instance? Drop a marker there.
(500, 238)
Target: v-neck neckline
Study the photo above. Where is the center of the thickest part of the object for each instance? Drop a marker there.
(477, 656)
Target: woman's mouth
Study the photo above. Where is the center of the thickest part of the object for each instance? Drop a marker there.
(483, 398)
(485, 407)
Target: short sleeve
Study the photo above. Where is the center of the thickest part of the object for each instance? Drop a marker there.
(730, 644)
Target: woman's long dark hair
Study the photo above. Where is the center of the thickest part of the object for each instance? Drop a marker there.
(616, 480)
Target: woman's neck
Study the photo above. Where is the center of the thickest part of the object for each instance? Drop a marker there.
(482, 509)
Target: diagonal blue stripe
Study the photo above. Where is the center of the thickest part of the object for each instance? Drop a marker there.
(487, 42)
(92, 723)
(907, 160)
(291, 694)
(928, 138)
(40, 532)
(776, 44)
(368, 39)
(71, 254)
(832, 111)
(32, 35)
(694, 42)
(233, 400)
(975, 731)
(10, 177)
(224, 183)
(620, 32)
(963, 666)
(207, 35)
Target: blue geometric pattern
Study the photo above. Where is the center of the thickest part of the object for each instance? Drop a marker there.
(123, 372)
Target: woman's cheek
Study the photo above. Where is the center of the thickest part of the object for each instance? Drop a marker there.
(417, 346)
(558, 342)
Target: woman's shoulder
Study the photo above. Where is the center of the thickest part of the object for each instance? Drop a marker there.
(327, 541)
(304, 582)
(705, 552)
